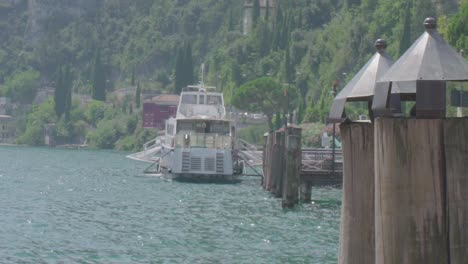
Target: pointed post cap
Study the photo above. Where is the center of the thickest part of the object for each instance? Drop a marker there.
(430, 23)
(380, 45)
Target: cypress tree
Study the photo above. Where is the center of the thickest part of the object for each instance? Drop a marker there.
(99, 78)
(300, 112)
(236, 73)
(255, 13)
(59, 93)
(278, 120)
(132, 80)
(287, 67)
(179, 68)
(267, 11)
(68, 84)
(138, 95)
(230, 21)
(184, 68)
(188, 66)
(277, 29)
(405, 40)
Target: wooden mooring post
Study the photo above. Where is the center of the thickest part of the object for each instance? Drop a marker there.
(456, 158)
(421, 191)
(357, 243)
(276, 187)
(305, 194)
(293, 167)
(267, 155)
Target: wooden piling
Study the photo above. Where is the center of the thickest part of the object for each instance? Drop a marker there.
(264, 155)
(410, 215)
(293, 167)
(357, 243)
(276, 162)
(305, 195)
(456, 157)
(267, 161)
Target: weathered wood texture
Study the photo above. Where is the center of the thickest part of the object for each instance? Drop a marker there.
(277, 164)
(267, 165)
(410, 215)
(357, 244)
(456, 156)
(264, 160)
(293, 167)
(305, 195)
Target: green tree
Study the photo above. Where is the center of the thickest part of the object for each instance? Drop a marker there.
(179, 72)
(405, 41)
(288, 69)
(22, 87)
(184, 68)
(255, 13)
(59, 93)
(68, 85)
(457, 29)
(95, 111)
(138, 95)
(267, 11)
(188, 65)
(39, 116)
(230, 21)
(261, 95)
(99, 78)
(132, 80)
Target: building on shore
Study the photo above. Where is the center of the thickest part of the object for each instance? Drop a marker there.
(7, 129)
(5, 106)
(157, 110)
(248, 9)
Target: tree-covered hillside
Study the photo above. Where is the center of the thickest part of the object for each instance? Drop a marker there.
(305, 43)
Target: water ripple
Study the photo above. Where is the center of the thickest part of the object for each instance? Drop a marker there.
(96, 207)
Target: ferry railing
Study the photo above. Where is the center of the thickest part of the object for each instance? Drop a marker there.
(199, 140)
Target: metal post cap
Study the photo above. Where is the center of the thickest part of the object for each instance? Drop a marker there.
(430, 23)
(380, 44)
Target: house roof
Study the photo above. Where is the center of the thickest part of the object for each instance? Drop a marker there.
(166, 99)
(429, 58)
(263, 3)
(362, 86)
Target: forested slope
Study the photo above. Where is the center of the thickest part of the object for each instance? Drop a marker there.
(307, 43)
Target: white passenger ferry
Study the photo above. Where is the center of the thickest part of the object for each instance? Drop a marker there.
(199, 143)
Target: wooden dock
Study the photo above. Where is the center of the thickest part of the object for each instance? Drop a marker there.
(316, 165)
(288, 170)
(318, 168)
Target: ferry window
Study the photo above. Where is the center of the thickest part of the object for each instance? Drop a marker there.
(202, 99)
(189, 99)
(213, 100)
(184, 126)
(219, 128)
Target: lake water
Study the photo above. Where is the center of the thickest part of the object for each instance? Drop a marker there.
(80, 206)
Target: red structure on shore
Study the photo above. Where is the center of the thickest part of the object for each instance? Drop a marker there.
(160, 108)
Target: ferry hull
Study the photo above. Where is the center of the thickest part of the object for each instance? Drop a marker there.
(199, 164)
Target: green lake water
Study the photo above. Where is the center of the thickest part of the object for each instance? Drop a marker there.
(80, 206)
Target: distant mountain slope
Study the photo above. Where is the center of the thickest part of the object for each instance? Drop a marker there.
(325, 39)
